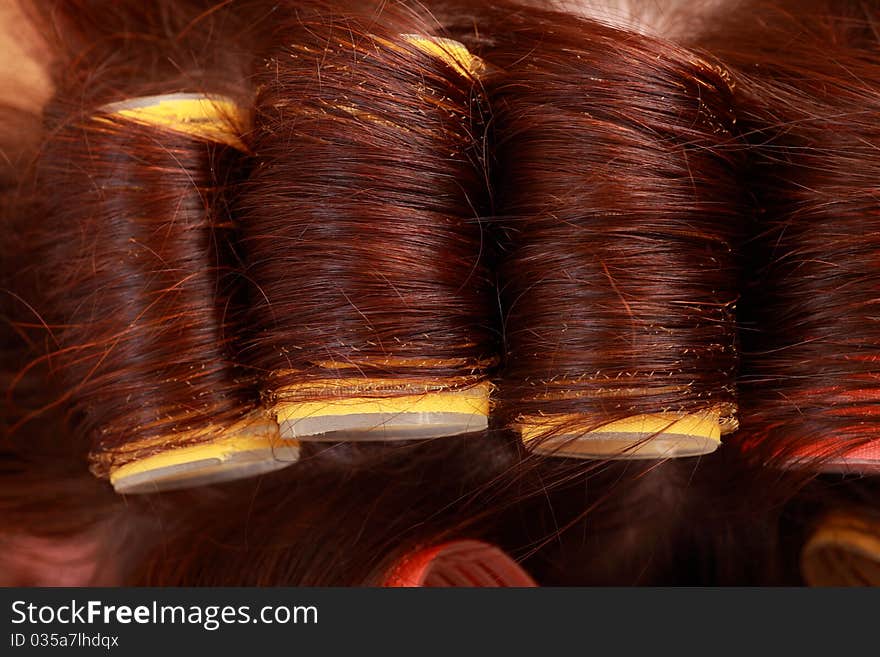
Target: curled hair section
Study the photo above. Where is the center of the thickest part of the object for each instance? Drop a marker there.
(141, 260)
(372, 303)
(811, 349)
(618, 205)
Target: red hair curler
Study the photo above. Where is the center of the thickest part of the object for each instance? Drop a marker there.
(458, 563)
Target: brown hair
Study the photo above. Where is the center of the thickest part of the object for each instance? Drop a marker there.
(591, 130)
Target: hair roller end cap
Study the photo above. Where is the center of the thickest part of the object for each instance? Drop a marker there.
(454, 53)
(212, 118)
(226, 459)
(435, 414)
(844, 550)
(650, 436)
